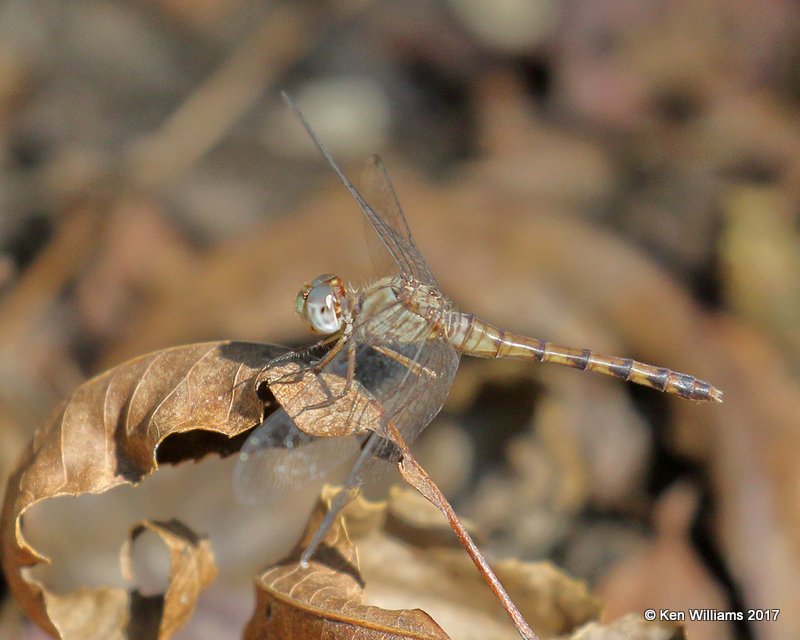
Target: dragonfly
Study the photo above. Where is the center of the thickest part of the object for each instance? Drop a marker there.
(398, 340)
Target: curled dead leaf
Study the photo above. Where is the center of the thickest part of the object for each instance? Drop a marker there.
(326, 598)
(305, 399)
(118, 427)
(367, 556)
(116, 613)
(110, 432)
(192, 568)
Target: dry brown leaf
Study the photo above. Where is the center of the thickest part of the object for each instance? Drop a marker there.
(108, 433)
(755, 474)
(298, 390)
(114, 613)
(295, 389)
(368, 550)
(761, 254)
(192, 569)
(326, 599)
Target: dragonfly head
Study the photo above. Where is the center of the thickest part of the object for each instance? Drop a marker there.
(320, 303)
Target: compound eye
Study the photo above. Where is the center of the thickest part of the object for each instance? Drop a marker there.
(321, 309)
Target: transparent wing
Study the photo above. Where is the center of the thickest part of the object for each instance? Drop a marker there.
(410, 382)
(382, 210)
(278, 459)
(414, 393)
(408, 375)
(386, 217)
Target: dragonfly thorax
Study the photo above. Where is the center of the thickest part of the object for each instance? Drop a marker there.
(397, 309)
(322, 304)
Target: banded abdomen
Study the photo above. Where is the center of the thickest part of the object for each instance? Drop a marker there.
(475, 337)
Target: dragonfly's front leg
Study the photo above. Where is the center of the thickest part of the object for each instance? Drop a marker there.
(293, 376)
(349, 377)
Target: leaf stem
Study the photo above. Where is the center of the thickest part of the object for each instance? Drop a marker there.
(418, 478)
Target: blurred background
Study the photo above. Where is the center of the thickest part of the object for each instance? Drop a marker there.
(617, 174)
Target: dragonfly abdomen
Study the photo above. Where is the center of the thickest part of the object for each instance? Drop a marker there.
(475, 337)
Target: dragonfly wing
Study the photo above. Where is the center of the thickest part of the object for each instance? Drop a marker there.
(421, 378)
(367, 383)
(278, 459)
(386, 217)
(409, 383)
(384, 213)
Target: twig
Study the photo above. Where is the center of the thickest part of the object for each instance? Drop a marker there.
(418, 478)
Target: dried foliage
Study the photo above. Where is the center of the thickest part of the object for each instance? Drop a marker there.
(622, 176)
(108, 433)
(326, 599)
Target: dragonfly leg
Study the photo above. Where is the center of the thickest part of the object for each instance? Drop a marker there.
(351, 372)
(416, 368)
(310, 349)
(293, 376)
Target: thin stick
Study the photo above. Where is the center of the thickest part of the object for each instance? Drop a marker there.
(418, 478)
